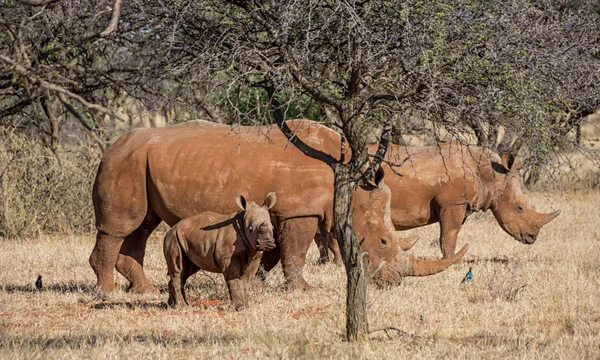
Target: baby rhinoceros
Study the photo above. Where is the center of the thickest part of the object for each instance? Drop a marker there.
(228, 244)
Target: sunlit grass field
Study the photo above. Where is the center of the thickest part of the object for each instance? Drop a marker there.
(538, 301)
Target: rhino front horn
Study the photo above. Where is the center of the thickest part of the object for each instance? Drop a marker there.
(430, 267)
(546, 218)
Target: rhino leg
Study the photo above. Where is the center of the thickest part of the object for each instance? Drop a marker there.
(327, 243)
(176, 265)
(103, 259)
(130, 261)
(268, 261)
(334, 247)
(321, 242)
(451, 219)
(295, 236)
(179, 267)
(235, 284)
(249, 276)
(189, 269)
(176, 298)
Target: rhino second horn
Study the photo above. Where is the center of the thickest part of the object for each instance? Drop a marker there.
(430, 267)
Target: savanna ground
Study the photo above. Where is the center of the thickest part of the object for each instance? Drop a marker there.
(539, 301)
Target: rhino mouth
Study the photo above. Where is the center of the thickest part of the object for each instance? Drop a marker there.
(527, 238)
(388, 277)
(265, 245)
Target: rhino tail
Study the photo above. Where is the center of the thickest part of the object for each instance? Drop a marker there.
(430, 267)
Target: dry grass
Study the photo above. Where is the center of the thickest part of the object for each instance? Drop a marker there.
(539, 301)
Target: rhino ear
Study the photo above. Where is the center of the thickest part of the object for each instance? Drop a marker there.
(377, 180)
(270, 200)
(240, 200)
(507, 160)
(379, 175)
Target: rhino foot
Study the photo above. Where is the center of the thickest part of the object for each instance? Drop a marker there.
(100, 294)
(142, 289)
(297, 284)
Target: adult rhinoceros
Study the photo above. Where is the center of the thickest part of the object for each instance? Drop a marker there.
(447, 183)
(168, 174)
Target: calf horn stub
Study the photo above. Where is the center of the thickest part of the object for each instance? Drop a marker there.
(430, 267)
(408, 242)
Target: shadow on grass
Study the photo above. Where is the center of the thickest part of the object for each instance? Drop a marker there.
(164, 339)
(58, 288)
(477, 340)
(131, 305)
(493, 260)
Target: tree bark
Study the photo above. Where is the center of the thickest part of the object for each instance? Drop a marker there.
(357, 326)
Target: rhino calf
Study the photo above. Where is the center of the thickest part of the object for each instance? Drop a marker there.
(228, 244)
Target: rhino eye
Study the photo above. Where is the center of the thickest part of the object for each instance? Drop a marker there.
(520, 208)
(383, 241)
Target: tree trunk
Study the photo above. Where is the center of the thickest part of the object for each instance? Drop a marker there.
(357, 326)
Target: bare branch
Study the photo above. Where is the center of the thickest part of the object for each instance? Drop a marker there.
(306, 84)
(81, 119)
(53, 123)
(114, 21)
(34, 79)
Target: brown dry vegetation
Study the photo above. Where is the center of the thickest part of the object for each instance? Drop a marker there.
(524, 301)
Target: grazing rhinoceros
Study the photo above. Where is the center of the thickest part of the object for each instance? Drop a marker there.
(228, 244)
(447, 183)
(168, 174)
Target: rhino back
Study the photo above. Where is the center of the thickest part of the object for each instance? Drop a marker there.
(203, 168)
(437, 176)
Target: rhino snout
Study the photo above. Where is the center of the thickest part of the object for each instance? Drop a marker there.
(265, 244)
(528, 238)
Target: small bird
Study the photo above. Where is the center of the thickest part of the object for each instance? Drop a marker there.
(38, 283)
(468, 277)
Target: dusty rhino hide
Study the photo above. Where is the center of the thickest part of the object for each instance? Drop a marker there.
(153, 175)
(446, 184)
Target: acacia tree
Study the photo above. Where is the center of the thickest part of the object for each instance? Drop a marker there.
(340, 57)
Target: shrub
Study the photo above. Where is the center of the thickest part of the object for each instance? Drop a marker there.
(42, 191)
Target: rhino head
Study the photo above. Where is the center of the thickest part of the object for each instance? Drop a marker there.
(257, 225)
(387, 262)
(514, 214)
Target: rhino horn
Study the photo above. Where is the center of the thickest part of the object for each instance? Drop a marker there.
(430, 267)
(408, 242)
(546, 218)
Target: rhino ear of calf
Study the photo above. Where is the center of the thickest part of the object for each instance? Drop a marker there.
(240, 200)
(270, 200)
(507, 160)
